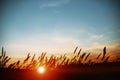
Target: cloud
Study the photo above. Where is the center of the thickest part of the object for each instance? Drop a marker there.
(54, 3)
(97, 36)
(52, 44)
(115, 48)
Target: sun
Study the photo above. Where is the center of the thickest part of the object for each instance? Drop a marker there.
(41, 69)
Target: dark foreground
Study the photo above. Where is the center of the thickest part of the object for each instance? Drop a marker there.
(97, 72)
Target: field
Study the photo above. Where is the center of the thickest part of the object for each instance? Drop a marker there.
(80, 67)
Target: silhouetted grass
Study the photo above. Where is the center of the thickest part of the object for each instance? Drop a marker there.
(78, 67)
(3, 59)
(32, 62)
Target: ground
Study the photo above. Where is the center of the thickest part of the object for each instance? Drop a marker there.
(107, 71)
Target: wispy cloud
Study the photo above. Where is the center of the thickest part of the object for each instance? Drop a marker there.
(115, 48)
(52, 45)
(97, 36)
(54, 3)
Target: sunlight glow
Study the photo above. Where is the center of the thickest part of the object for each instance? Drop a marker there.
(41, 70)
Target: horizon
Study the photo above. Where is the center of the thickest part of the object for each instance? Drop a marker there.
(58, 26)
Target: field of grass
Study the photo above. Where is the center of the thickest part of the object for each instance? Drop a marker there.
(79, 67)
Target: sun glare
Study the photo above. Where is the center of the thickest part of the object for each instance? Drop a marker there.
(41, 69)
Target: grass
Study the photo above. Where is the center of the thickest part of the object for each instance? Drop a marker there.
(78, 65)
(3, 59)
(31, 62)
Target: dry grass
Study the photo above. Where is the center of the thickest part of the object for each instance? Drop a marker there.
(32, 62)
(3, 59)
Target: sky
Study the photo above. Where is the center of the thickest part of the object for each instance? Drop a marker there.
(58, 26)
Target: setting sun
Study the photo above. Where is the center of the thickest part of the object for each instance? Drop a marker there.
(41, 69)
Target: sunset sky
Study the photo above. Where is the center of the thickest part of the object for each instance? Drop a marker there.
(58, 26)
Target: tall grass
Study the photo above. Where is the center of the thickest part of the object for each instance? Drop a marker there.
(3, 58)
(33, 62)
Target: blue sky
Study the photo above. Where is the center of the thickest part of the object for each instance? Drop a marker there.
(58, 26)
